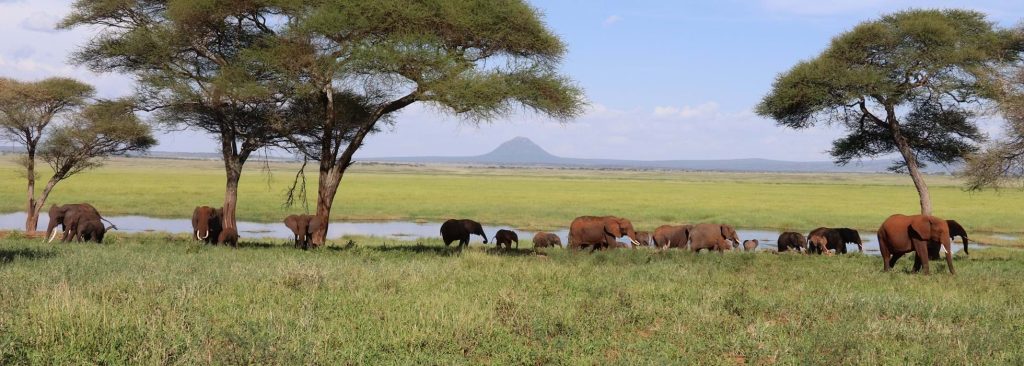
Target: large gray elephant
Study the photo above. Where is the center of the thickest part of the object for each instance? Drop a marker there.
(459, 230)
(207, 222)
(303, 227)
(600, 232)
(713, 237)
(672, 236)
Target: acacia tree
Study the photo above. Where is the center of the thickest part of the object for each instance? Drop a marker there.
(353, 64)
(190, 59)
(906, 83)
(84, 137)
(1002, 162)
(27, 112)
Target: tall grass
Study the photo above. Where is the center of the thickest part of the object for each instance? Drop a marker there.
(161, 300)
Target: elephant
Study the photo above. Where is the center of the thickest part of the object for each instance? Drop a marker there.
(91, 229)
(713, 237)
(672, 236)
(228, 236)
(459, 230)
(303, 227)
(207, 223)
(955, 230)
(506, 237)
(791, 240)
(850, 236)
(644, 238)
(901, 234)
(823, 240)
(68, 216)
(544, 240)
(599, 232)
(750, 245)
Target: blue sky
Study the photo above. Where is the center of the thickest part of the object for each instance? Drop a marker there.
(665, 79)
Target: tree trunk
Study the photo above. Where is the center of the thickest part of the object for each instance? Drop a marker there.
(233, 169)
(327, 189)
(911, 160)
(41, 202)
(32, 210)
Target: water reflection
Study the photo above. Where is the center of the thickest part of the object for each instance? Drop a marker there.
(402, 230)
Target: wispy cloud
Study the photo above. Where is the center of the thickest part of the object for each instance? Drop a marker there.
(611, 20)
(40, 22)
(704, 110)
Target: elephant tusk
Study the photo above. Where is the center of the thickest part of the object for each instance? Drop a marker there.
(53, 236)
(206, 236)
(197, 235)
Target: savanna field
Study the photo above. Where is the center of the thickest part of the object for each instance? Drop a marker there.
(163, 299)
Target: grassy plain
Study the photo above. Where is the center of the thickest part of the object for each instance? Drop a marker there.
(531, 198)
(162, 300)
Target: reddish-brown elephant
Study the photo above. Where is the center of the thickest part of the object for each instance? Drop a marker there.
(672, 236)
(207, 222)
(718, 237)
(599, 232)
(902, 234)
(544, 240)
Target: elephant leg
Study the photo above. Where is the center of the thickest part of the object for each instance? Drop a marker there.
(921, 249)
(895, 257)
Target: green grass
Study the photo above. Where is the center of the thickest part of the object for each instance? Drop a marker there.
(532, 198)
(157, 299)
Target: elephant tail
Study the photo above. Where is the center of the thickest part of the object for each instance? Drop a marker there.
(112, 226)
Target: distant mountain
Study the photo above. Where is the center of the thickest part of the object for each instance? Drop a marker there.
(521, 151)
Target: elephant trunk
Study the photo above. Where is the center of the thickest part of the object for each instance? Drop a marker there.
(964, 238)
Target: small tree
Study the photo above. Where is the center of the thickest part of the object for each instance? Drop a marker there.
(1002, 162)
(191, 61)
(353, 64)
(901, 84)
(98, 131)
(27, 112)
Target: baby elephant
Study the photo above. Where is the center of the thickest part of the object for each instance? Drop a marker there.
(749, 245)
(506, 237)
(792, 241)
(228, 236)
(544, 240)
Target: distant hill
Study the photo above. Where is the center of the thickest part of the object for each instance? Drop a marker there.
(522, 151)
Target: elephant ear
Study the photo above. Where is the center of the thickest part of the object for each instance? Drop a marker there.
(291, 223)
(922, 225)
(613, 227)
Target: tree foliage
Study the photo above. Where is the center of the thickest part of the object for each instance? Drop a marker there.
(908, 83)
(350, 65)
(193, 60)
(101, 130)
(27, 109)
(1002, 162)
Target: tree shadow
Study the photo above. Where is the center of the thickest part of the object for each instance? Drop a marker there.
(416, 249)
(10, 255)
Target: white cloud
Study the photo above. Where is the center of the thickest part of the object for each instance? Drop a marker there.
(611, 20)
(40, 22)
(702, 110)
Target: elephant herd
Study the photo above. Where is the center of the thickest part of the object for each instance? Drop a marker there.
(899, 234)
(926, 236)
